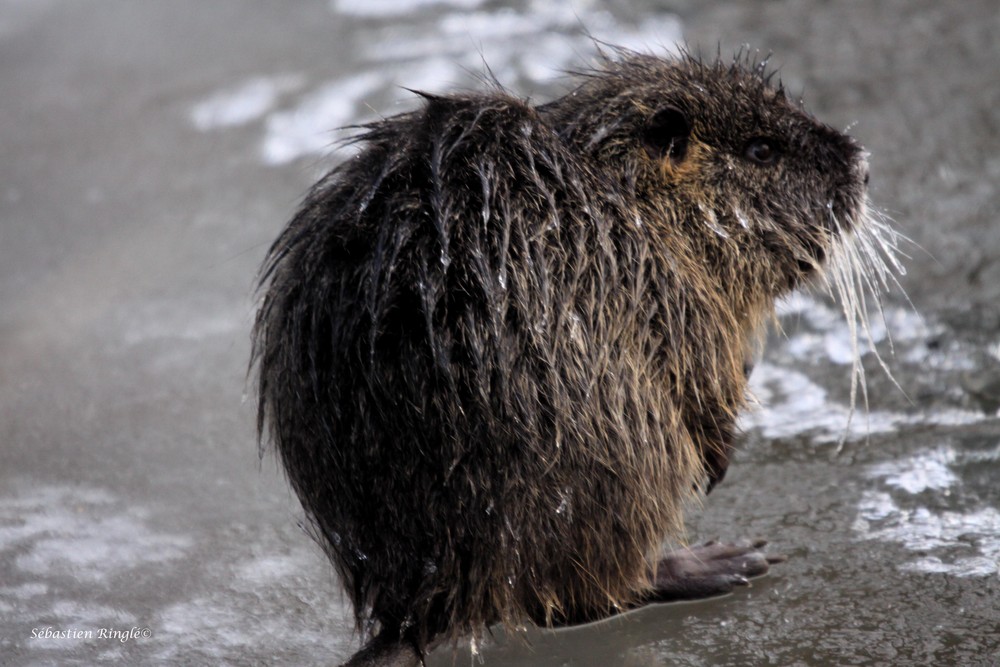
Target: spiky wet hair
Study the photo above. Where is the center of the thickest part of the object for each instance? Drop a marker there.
(808, 212)
(501, 347)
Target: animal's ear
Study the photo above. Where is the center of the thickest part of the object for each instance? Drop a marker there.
(666, 134)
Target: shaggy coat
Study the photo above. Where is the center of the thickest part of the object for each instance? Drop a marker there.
(501, 347)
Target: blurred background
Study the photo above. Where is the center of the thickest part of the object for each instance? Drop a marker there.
(150, 152)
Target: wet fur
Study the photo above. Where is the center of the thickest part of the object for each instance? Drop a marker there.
(502, 346)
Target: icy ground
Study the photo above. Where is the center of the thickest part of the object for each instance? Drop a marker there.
(150, 151)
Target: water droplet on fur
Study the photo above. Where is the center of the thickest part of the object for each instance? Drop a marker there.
(719, 231)
(712, 222)
(576, 329)
(744, 223)
(565, 501)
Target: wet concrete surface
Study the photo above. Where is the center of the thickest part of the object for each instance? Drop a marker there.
(149, 152)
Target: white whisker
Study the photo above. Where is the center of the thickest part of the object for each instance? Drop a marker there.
(863, 265)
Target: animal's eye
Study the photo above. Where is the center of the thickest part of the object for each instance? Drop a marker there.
(762, 151)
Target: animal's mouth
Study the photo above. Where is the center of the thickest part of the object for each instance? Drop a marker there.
(834, 224)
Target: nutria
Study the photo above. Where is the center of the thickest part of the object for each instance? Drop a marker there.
(501, 347)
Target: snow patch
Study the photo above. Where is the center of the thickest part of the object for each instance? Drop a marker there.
(308, 127)
(80, 533)
(970, 540)
(215, 624)
(244, 102)
(792, 404)
(928, 471)
(920, 529)
(435, 50)
(829, 336)
(392, 8)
